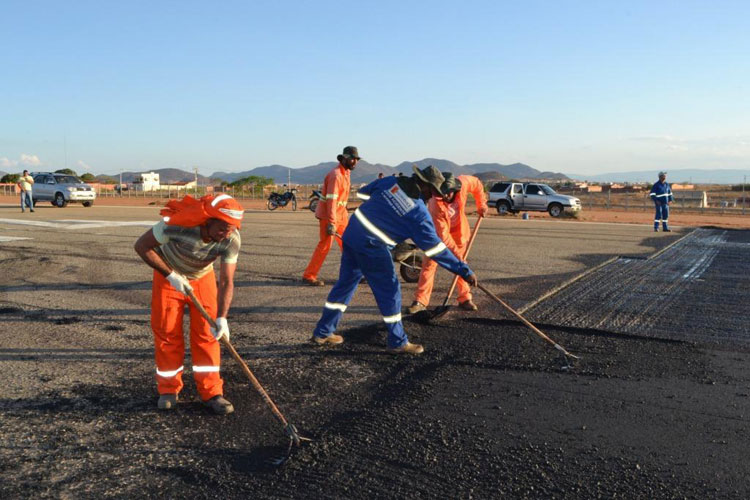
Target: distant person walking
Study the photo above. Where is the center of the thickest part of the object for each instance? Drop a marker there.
(331, 212)
(661, 194)
(24, 184)
(182, 249)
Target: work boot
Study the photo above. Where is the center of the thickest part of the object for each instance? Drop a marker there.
(314, 281)
(468, 305)
(219, 405)
(415, 307)
(666, 230)
(332, 339)
(167, 401)
(407, 348)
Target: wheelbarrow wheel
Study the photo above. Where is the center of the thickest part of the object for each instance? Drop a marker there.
(410, 268)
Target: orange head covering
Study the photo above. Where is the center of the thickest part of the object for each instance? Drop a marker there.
(189, 212)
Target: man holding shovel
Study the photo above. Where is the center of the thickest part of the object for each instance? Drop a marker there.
(449, 215)
(392, 212)
(182, 249)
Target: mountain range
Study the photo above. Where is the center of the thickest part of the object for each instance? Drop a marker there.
(691, 176)
(366, 172)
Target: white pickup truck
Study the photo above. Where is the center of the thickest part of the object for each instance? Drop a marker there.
(514, 197)
(61, 189)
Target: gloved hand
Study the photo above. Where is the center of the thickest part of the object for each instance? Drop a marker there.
(331, 229)
(482, 211)
(222, 329)
(471, 279)
(179, 282)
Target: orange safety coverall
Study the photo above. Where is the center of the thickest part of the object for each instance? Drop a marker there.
(331, 210)
(167, 306)
(452, 226)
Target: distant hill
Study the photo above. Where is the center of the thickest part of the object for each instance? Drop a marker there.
(488, 177)
(366, 172)
(166, 176)
(696, 176)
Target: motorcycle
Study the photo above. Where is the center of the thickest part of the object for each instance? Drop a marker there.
(276, 200)
(315, 198)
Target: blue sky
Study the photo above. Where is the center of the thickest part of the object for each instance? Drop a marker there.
(569, 86)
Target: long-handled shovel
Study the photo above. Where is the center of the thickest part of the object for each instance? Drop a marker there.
(441, 311)
(289, 429)
(526, 322)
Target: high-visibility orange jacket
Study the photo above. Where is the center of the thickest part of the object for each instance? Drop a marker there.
(453, 215)
(336, 187)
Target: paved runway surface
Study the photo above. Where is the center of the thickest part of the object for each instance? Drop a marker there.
(487, 411)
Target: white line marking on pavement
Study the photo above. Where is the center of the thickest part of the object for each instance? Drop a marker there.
(78, 224)
(12, 238)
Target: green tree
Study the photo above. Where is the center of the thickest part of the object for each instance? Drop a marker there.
(257, 180)
(66, 171)
(87, 177)
(10, 178)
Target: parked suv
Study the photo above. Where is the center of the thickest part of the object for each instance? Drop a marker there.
(62, 189)
(514, 197)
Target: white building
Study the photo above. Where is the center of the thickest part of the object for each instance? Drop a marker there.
(147, 182)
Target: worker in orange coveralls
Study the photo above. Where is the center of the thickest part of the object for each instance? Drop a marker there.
(331, 212)
(452, 226)
(182, 249)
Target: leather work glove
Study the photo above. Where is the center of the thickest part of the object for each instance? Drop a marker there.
(471, 279)
(179, 282)
(221, 330)
(331, 229)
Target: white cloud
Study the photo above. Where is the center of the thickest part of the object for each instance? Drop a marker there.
(30, 160)
(85, 166)
(26, 160)
(7, 163)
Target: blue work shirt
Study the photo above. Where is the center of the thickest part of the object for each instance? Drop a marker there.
(661, 193)
(389, 216)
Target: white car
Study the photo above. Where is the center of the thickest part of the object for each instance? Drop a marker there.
(61, 189)
(514, 197)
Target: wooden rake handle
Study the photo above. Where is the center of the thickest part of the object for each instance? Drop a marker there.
(527, 322)
(236, 356)
(466, 256)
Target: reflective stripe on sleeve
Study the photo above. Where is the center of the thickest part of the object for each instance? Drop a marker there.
(335, 306)
(363, 196)
(392, 319)
(435, 250)
(373, 229)
(205, 369)
(331, 196)
(169, 373)
(660, 195)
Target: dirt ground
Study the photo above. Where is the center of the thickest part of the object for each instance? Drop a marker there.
(488, 411)
(617, 216)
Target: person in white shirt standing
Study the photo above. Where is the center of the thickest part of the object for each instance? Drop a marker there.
(24, 184)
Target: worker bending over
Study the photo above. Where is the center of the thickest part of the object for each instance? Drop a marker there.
(452, 226)
(331, 212)
(391, 213)
(182, 249)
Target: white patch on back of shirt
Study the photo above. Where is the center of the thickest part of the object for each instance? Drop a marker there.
(398, 200)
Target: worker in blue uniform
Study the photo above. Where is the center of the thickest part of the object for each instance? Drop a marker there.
(661, 194)
(393, 211)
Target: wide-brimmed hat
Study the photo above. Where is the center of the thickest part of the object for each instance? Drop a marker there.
(349, 152)
(430, 175)
(662, 173)
(452, 184)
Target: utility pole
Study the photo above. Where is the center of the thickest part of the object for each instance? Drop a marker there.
(195, 169)
(744, 181)
(120, 183)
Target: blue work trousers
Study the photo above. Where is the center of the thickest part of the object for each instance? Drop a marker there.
(376, 264)
(26, 198)
(662, 215)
